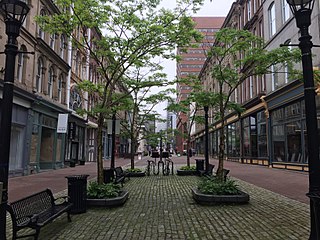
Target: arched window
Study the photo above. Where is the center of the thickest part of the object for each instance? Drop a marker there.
(272, 19)
(77, 63)
(60, 82)
(52, 40)
(50, 82)
(285, 10)
(21, 64)
(39, 76)
(62, 45)
(83, 69)
(40, 31)
(75, 99)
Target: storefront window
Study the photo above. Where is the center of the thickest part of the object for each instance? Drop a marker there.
(250, 136)
(262, 134)
(233, 140)
(289, 134)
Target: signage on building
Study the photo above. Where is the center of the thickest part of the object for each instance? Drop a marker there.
(62, 123)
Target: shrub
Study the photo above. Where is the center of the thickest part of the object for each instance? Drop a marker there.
(189, 168)
(213, 186)
(101, 191)
(134, 170)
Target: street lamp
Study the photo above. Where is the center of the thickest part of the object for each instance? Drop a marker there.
(15, 12)
(113, 137)
(302, 10)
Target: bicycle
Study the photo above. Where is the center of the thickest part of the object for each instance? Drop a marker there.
(166, 169)
(151, 166)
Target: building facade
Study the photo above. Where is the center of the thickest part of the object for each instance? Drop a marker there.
(190, 65)
(271, 131)
(46, 87)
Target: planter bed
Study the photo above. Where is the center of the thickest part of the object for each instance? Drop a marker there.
(136, 174)
(207, 199)
(186, 172)
(109, 202)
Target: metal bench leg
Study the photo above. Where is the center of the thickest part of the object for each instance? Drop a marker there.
(69, 217)
(36, 236)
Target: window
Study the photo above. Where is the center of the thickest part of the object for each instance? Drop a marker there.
(39, 76)
(77, 63)
(251, 86)
(40, 31)
(62, 45)
(75, 99)
(21, 64)
(274, 78)
(286, 66)
(272, 19)
(50, 82)
(250, 136)
(249, 9)
(233, 139)
(52, 40)
(60, 81)
(83, 69)
(285, 10)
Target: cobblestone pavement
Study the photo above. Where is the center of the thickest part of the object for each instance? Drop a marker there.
(161, 207)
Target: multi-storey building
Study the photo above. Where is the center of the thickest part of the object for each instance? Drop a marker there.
(271, 131)
(45, 87)
(191, 64)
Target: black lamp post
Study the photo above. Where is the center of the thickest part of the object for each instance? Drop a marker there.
(206, 142)
(113, 137)
(15, 13)
(302, 10)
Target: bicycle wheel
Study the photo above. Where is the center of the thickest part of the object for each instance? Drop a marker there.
(148, 169)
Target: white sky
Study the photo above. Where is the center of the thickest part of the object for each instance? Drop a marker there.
(212, 8)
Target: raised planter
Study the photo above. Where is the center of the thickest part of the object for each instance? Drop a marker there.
(207, 199)
(109, 202)
(136, 174)
(186, 172)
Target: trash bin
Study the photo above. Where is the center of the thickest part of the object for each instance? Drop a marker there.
(77, 192)
(199, 165)
(108, 175)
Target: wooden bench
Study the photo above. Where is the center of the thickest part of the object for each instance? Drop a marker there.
(35, 211)
(120, 175)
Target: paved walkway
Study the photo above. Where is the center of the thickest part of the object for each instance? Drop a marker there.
(161, 207)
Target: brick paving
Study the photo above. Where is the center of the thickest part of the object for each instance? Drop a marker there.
(161, 207)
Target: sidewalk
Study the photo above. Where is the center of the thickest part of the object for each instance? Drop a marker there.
(161, 207)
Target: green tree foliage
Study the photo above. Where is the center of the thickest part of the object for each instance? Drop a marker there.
(131, 35)
(235, 56)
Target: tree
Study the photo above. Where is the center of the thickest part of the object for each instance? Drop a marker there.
(143, 103)
(185, 106)
(235, 56)
(135, 32)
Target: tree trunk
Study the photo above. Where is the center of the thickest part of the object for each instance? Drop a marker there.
(132, 150)
(188, 147)
(99, 150)
(221, 146)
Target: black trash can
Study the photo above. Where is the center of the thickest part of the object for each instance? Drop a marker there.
(108, 175)
(199, 165)
(77, 192)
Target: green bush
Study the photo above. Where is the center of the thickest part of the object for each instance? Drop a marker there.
(101, 191)
(213, 186)
(189, 168)
(134, 170)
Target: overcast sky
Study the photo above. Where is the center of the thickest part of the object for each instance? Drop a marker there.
(215, 8)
